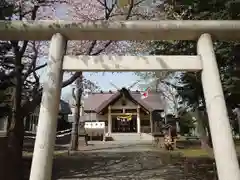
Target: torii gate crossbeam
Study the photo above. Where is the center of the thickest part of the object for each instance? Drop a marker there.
(61, 31)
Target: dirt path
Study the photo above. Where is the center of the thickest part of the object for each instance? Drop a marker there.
(115, 162)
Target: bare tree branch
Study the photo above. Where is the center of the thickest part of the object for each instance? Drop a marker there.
(108, 13)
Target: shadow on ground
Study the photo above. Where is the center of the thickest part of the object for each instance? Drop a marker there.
(129, 162)
(60, 143)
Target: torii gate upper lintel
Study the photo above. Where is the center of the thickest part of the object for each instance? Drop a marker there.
(61, 31)
(226, 30)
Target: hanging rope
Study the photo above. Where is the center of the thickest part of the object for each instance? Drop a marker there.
(127, 117)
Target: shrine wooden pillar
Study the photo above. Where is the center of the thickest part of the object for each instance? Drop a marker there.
(109, 120)
(138, 120)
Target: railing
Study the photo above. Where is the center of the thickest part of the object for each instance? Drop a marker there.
(32, 135)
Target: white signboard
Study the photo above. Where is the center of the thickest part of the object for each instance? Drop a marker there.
(95, 128)
(94, 125)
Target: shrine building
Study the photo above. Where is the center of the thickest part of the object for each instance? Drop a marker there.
(124, 112)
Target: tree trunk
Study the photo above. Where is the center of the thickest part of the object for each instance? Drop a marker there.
(209, 137)
(237, 111)
(77, 98)
(15, 146)
(16, 128)
(203, 133)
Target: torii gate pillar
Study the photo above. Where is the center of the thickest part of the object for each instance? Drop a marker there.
(223, 145)
(47, 124)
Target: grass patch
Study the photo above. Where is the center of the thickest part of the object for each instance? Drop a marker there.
(193, 153)
(56, 153)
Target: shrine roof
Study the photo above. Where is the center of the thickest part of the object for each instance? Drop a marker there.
(98, 101)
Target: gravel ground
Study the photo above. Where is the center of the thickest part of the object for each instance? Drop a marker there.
(126, 160)
(114, 162)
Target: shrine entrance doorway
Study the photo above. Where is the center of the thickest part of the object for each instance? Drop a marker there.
(124, 125)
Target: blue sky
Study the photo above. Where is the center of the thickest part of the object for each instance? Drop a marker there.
(119, 79)
(124, 79)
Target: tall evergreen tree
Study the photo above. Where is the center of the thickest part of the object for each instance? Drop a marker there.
(188, 84)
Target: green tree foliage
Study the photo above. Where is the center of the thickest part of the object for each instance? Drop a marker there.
(6, 11)
(189, 87)
(188, 84)
(186, 123)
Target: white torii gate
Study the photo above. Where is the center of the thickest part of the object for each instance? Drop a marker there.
(205, 61)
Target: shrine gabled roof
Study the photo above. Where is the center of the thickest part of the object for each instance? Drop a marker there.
(98, 101)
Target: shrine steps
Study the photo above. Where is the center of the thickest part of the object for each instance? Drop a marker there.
(131, 137)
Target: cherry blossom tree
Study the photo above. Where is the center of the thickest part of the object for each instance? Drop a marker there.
(29, 57)
(19, 65)
(96, 10)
